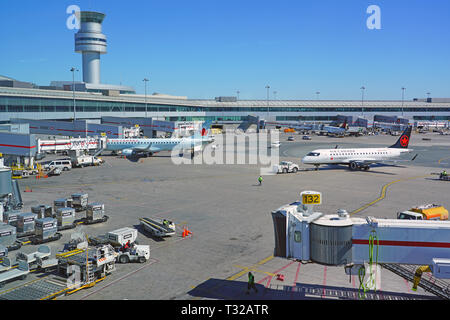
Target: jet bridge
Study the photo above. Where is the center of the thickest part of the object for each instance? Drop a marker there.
(338, 240)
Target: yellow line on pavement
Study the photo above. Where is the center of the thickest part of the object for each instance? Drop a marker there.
(383, 193)
(242, 272)
(255, 270)
(439, 161)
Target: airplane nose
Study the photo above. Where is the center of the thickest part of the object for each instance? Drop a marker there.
(305, 159)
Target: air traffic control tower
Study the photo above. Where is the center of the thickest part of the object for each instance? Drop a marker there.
(90, 42)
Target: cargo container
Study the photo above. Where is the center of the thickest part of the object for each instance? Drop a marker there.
(8, 235)
(10, 217)
(80, 201)
(26, 222)
(46, 229)
(121, 236)
(65, 218)
(62, 203)
(43, 211)
(95, 212)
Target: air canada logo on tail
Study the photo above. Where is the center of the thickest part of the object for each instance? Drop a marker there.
(404, 141)
(204, 132)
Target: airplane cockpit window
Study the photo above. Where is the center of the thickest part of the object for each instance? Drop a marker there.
(313, 154)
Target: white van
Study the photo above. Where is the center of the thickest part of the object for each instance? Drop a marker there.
(63, 164)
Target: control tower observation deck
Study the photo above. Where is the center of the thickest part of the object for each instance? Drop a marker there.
(90, 42)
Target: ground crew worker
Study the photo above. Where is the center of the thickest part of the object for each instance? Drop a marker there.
(166, 222)
(126, 246)
(251, 283)
(260, 179)
(444, 173)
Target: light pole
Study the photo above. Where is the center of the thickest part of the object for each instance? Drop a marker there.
(238, 94)
(267, 87)
(362, 100)
(145, 81)
(403, 97)
(317, 95)
(428, 97)
(73, 69)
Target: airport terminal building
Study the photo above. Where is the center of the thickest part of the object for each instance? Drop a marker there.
(32, 103)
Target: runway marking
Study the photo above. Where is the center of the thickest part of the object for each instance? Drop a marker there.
(324, 281)
(275, 272)
(255, 270)
(241, 273)
(383, 192)
(296, 277)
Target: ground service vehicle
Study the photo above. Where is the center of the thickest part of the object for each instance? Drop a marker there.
(286, 167)
(425, 212)
(63, 164)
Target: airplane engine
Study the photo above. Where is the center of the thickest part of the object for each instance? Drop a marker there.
(127, 152)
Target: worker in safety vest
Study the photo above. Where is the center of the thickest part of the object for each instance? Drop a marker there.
(251, 283)
(166, 222)
(444, 173)
(260, 179)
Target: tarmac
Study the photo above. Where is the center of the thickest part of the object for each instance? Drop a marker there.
(230, 219)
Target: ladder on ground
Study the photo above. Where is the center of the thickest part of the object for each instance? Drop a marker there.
(435, 286)
(90, 274)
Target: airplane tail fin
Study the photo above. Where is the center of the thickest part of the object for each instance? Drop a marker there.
(403, 141)
(344, 125)
(204, 131)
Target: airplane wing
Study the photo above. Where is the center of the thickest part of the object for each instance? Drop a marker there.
(144, 148)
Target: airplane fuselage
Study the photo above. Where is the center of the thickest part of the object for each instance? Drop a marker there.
(153, 145)
(345, 156)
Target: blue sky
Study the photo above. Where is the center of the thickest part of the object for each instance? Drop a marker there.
(208, 48)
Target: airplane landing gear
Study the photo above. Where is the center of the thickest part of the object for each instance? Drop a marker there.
(355, 166)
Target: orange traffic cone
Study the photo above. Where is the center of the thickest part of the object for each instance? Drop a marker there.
(184, 232)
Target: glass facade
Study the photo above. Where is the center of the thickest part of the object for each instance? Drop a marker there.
(41, 104)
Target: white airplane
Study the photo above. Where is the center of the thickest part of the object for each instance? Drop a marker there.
(360, 158)
(332, 130)
(298, 126)
(134, 148)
